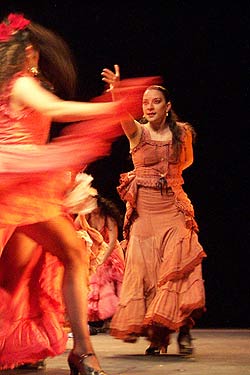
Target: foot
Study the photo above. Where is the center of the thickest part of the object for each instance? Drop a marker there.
(185, 344)
(152, 350)
(33, 366)
(164, 349)
(79, 364)
(131, 338)
(92, 331)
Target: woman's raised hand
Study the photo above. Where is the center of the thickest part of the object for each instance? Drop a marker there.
(110, 77)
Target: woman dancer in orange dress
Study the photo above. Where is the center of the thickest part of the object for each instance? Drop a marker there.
(162, 290)
(33, 182)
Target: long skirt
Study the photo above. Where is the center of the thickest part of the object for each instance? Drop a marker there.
(162, 285)
(32, 316)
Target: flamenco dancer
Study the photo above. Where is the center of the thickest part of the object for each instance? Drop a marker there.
(35, 67)
(102, 225)
(162, 290)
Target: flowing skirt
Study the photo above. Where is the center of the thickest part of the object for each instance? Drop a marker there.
(32, 317)
(162, 284)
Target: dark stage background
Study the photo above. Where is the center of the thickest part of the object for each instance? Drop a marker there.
(201, 49)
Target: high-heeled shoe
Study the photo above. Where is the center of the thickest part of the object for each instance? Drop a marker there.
(78, 367)
(39, 365)
(152, 350)
(156, 350)
(164, 349)
(131, 338)
(184, 341)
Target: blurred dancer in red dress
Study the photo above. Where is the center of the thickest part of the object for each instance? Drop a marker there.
(33, 182)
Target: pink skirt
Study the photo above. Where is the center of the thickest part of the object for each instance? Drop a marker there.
(105, 286)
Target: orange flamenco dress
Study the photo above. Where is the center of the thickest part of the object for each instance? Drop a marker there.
(162, 288)
(33, 184)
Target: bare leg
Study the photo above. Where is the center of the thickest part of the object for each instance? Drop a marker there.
(58, 236)
(16, 255)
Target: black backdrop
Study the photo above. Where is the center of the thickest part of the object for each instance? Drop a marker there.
(201, 49)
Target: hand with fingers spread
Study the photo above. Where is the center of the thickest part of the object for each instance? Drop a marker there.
(111, 78)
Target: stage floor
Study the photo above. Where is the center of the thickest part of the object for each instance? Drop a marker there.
(217, 352)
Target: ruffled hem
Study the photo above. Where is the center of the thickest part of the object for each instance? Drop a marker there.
(158, 320)
(32, 341)
(132, 318)
(128, 319)
(105, 285)
(32, 318)
(190, 255)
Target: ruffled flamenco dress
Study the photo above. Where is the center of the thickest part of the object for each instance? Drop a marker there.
(163, 287)
(104, 281)
(33, 184)
(105, 284)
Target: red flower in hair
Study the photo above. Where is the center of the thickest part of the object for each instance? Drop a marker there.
(5, 32)
(15, 22)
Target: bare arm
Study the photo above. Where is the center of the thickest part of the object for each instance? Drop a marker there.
(130, 127)
(27, 92)
(113, 236)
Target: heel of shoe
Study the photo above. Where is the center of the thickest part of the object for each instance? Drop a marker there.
(75, 363)
(73, 368)
(164, 349)
(185, 344)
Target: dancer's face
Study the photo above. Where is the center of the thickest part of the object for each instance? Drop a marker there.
(154, 106)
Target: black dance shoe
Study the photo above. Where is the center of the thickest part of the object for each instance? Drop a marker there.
(184, 341)
(152, 350)
(39, 365)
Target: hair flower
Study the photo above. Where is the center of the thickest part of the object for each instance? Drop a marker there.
(5, 32)
(14, 23)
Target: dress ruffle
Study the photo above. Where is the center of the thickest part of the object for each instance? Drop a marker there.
(104, 281)
(164, 286)
(105, 285)
(32, 318)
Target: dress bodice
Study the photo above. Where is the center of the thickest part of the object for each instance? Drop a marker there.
(154, 159)
(26, 126)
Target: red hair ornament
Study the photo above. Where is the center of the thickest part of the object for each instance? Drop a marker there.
(14, 23)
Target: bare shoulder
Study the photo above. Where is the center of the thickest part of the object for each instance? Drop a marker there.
(24, 83)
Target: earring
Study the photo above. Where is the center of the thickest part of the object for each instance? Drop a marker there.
(166, 114)
(34, 71)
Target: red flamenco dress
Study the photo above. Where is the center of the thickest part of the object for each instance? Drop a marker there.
(33, 183)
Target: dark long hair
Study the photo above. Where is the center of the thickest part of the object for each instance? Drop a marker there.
(173, 122)
(109, 209)
(56, 64)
